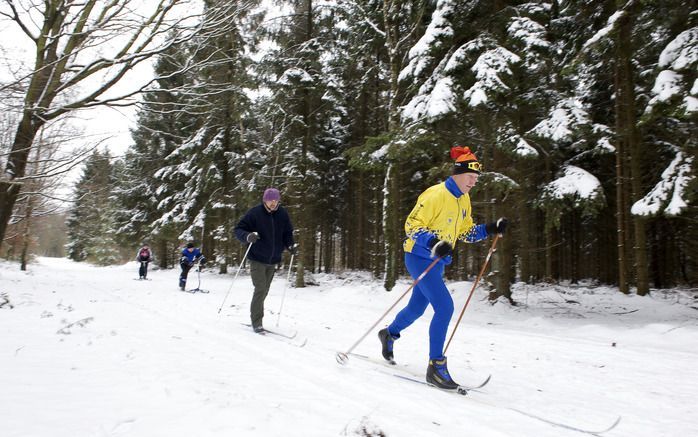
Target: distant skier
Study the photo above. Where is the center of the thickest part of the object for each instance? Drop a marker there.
(441, 216)
(190, 255)
(267, 227)
(144, 256)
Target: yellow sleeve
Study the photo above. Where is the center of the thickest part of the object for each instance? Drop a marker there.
(423, 214)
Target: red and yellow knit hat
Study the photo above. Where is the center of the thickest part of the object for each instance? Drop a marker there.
(466, 162)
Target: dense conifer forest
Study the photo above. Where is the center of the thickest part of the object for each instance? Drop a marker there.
(583, 114)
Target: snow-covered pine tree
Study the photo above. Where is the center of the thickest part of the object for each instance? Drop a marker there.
(190, 144)
(467, 89)
(231, 124)
(366, 96)
(630, 39)
(162, 124)
(306, 126)
(667, 52)
(91, 230)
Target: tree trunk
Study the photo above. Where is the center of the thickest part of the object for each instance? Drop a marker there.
(623, 132)
(629, 136)
(26, 235)
(548, 226)
(378, 247)
(390, 219)
(526, 245)
(392, 176)
(360, 261)
(15, 167)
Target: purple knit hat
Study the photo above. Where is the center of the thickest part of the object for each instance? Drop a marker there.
(271, 194)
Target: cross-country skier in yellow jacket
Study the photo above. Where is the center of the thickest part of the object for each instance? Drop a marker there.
(442, 216)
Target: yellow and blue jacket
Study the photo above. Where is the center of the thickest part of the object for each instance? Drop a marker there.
(442, 211)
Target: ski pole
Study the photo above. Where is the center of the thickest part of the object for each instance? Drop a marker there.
(343, 357)
(235, 278)
(283, 296)
(482, 271)
(198, 275)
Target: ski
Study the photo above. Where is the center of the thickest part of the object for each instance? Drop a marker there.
(389, 364)
(462, 389)
(393, 368)
(196, 290)
(280, 335)
(564, 425)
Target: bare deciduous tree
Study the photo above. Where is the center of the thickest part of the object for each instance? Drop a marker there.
(83, 50)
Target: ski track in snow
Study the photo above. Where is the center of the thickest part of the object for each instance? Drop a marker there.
(87, 351)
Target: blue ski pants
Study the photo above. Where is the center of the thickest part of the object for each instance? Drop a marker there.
(430, 290)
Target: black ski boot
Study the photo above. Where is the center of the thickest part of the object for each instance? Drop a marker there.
(438, 376)
(387, 341)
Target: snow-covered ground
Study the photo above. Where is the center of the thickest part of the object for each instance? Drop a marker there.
(90, 351)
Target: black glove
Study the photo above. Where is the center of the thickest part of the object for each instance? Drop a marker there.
(202, 260)
(252, 237)
(498, 227)
(184, 260)
(293, 249)
(440, 248)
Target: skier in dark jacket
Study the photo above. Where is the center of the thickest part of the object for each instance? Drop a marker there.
(267, 227)
(190, 255)
(144, 256)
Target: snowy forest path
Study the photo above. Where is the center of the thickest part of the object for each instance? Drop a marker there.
(296, 368)
(100, 354)
(224, 338)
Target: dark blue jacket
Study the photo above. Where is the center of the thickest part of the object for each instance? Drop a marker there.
(274, 229)
(191, 256)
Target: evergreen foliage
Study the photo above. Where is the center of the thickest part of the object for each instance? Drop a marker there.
(350, 108)
(91, 226)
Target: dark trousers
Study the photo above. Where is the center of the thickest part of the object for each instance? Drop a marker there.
(262, 274)
(185, 271)
(143, 270)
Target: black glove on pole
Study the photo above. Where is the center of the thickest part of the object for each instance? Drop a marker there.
(293, 249)
(440, 248)
(499, 227)
(252, 237)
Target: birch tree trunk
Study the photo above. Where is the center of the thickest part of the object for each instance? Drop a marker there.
(392, 174)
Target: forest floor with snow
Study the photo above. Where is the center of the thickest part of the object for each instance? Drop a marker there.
(92, 351)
